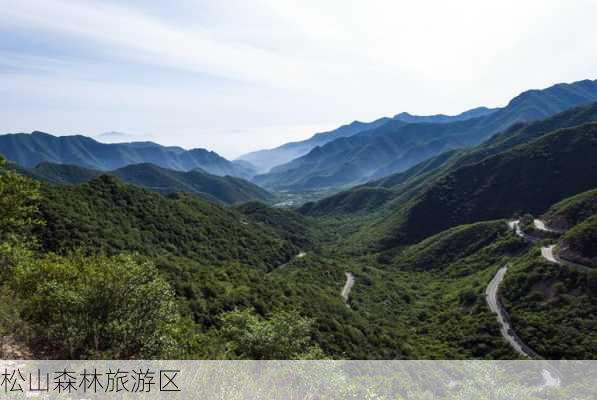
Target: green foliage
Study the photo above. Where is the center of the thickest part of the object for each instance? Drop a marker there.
(103, 307)
(282, 336)
(573, 210)
(552, 307)
(582, 239)
(448, 246)
(285, 223)
(527, 178)
(592, 282)
(107, 215)
(362, 199)
(19, 198)
(219, 189)
(527, 222)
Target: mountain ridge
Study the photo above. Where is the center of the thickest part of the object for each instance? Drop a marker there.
(219, 189)
(28, 150)
(396, 146)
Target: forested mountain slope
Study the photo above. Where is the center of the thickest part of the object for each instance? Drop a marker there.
(224, 189)
(405, 185)
(396, 146)
(28, 150)
(528, 177)
(106, 214)
(265, 160)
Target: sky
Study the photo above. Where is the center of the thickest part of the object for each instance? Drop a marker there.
(240, 75)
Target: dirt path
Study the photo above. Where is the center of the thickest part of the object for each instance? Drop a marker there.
(347, 287)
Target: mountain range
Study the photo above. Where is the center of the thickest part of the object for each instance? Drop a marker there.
(395, 145)
(526, 168)
(28, 150)
(265, 160)
(219, 189)
(397, 267)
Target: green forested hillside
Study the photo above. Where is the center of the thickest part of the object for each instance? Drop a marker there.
(580, 242)
(552, 307)
(451, 245)
(357, 200)
(527, 178)
(573, 210)
(61, 174)
(406, 185)
(223, 294)
(106, 214)
(285, 223)
(80, 263)
(224, 189)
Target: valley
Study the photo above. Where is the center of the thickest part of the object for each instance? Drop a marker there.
(422, 237)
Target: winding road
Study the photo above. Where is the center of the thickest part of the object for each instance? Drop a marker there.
(496, 307)
(547, 252)
(540, 225)
(515, 226)
(347, 287)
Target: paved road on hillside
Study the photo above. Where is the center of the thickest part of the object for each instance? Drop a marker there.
(540, 225)
(301, 254)
(548, 253)
(347, 287)
(496, 307)
(515, 226)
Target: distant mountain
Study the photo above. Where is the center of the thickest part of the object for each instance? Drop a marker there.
(524, 169)
(264, 160)
(396, 146)
(28, 150)
(442, 119)
(227, 189)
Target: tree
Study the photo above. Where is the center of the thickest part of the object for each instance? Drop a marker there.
(19, 198)
(283, 336)
(97, 306)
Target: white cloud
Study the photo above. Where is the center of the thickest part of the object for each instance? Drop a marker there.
(279, 63)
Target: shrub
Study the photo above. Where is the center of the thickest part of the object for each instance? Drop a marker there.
(109, 307)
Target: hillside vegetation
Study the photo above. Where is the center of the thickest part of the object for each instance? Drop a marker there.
(580, 242)
(223, 189)
(107, 215)
(527, 178)
(573, 210)
(406, 185)
(92, 266)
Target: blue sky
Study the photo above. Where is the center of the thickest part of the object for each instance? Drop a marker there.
(235, 76)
